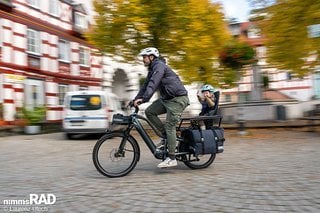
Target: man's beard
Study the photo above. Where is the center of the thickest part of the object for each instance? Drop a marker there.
(146, 64)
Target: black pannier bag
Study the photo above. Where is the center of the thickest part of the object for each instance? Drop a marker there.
(120, 119)
(209, 141)
(219, 138)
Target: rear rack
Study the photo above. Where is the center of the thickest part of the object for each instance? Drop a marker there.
(217, 119)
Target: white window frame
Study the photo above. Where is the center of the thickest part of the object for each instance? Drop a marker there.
(1, 33)
(33, 41)
(34, 93)
(54, 7)
(64, 50)
(34, 3)
(84, 56)
(62, 90)
(80, 21)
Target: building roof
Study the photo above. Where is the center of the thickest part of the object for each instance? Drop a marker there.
(275, 95)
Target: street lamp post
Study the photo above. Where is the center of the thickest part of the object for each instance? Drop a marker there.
(240, 113)
(234, 56)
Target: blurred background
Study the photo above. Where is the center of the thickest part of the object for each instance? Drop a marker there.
(262, 55)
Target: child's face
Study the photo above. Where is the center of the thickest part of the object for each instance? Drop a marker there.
(207, 94)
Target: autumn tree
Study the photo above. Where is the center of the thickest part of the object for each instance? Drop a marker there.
(189, 33)
(285, 24)
(234, 56)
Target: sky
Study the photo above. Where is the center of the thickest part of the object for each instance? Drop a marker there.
(236, 9)
(233, 8)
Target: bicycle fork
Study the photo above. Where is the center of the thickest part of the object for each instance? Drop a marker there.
(121, 151)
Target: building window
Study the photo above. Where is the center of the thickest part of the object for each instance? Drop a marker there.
(1, 39)
(1, 32)
(6, 3)
(34, 3)
(314, 31)
(54, 8)
(244, 97)
(84, 56)
(83, 88)
(227, 98)
(261, 52)
(62, 90)
(254, 32)
(33, 41)
(80, 21)
(64, 50)
(34, 93)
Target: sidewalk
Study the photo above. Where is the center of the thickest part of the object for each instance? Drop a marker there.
(8, 130)
(273, 124)
(267, 171)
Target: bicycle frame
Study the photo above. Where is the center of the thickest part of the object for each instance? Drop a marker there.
(135, 123)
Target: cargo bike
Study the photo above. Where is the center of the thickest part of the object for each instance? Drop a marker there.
(117, 152)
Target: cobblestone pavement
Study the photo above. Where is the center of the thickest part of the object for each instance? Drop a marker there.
(265, 171)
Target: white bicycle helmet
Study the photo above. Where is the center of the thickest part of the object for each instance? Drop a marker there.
(150, 51)
(207, 87)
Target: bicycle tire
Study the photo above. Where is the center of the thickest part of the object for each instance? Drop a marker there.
(201, 164)
(203, 160)
(105, 149)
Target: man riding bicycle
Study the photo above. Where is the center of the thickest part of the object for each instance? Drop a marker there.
(173, 99)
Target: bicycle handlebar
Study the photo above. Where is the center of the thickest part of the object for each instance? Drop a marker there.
(136, 108)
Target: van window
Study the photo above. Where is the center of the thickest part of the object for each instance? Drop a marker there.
(85, 102)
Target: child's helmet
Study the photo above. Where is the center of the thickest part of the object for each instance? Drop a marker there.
(207, 87)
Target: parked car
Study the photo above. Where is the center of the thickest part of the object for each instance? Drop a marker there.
(89, 112)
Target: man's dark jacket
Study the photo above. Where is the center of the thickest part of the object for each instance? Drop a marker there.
(161, 77)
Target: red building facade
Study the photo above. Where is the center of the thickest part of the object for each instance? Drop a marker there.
(43, 54)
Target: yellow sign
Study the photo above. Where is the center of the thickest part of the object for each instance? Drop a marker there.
(95, 100)
(11, 78)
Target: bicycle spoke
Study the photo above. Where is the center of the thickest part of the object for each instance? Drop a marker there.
(109, 160)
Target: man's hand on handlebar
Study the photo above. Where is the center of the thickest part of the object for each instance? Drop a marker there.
(130, 104)
(137, 102)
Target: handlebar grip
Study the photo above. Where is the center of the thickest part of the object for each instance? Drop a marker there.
(136, 109)
(131, 104)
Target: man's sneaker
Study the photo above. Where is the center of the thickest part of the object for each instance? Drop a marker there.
(168, 162)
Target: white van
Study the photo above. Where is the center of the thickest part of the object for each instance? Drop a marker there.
(89, 111)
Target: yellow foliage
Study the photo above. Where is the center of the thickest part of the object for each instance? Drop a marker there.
(286, 28)
(189, 33)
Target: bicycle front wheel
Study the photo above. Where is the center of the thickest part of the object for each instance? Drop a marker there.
(112, 162)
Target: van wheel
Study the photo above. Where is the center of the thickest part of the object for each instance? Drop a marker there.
(69, 136)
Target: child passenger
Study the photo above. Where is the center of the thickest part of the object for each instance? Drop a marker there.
(209, 99)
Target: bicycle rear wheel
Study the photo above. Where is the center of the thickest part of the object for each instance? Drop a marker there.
(201, 161)
(111, 162)
(195, 162)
